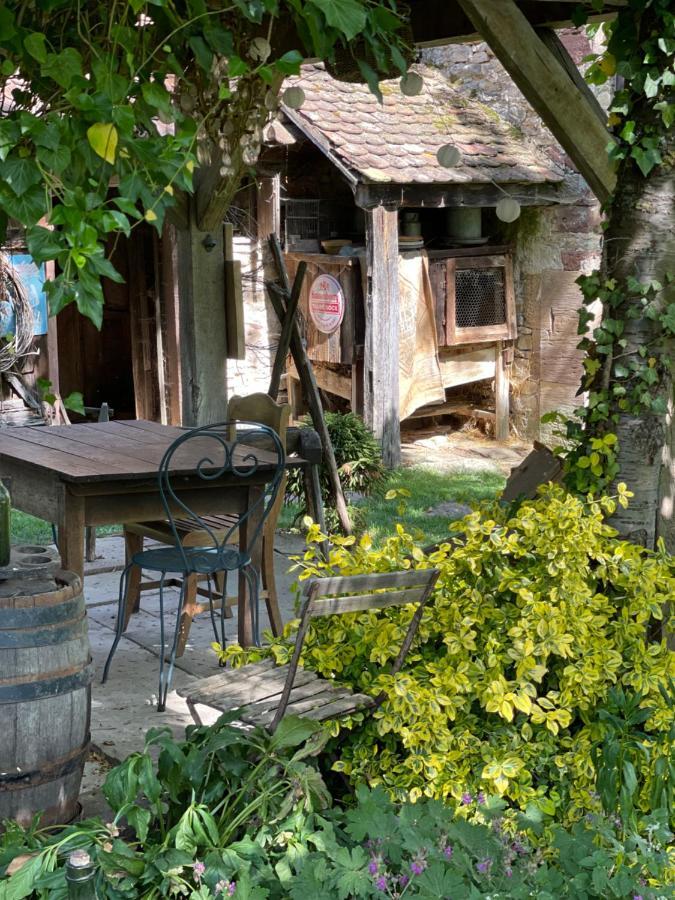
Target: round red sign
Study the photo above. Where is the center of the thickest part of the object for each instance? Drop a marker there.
(326, 303)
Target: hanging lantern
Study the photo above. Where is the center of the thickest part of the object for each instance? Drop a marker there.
(448, 156)
(411, 84)
(293, 97)
(508, 209)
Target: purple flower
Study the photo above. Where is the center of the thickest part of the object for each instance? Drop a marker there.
(482, 799)
(467, 799)
(373, 866)
(447, 853)
(637, 897)
(403, 880)
(508, 872)
(484, 866)
(198, 870)
(417, 867)
(381, 883)
(231, 888)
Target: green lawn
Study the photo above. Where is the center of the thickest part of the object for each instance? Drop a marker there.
(428, 488)
(29, 530)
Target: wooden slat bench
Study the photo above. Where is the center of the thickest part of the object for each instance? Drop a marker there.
(264, 693)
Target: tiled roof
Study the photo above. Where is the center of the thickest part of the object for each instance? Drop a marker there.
(397, 141)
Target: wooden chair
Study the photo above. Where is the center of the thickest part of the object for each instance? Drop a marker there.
(263, 693)
(252, 408)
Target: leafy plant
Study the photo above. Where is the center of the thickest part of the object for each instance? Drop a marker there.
(539, 611)
(359, 460)
(373, 849)
(201, 796)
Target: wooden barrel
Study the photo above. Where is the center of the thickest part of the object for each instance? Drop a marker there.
(45, 698)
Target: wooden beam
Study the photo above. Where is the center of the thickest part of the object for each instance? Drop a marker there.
(559, 50)
(268, 213)
(501, 395)
(368, 196)
(381, 387)
(547, 86)
(200, 278)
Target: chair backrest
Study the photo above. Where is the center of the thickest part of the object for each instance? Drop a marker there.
(235, 450)
(262, 408)
(359, 593)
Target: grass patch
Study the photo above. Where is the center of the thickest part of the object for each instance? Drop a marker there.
(428, 488)
(30, 530)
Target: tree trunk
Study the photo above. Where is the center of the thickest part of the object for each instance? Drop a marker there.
(640, 242)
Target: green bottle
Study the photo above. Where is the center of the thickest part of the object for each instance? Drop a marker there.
(80, 876)
(5, 524)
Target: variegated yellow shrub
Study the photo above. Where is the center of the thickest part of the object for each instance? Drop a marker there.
(537, 613)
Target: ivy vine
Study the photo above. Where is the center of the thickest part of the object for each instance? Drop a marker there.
(618, 378)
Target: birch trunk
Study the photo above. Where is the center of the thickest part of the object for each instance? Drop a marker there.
(640, 242)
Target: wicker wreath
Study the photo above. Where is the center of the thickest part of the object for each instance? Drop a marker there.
(14, 301)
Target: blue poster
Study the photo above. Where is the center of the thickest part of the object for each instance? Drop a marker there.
(33, 277)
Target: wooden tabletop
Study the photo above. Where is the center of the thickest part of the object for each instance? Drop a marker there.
(122, 450)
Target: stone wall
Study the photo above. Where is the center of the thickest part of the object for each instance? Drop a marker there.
(553, 245)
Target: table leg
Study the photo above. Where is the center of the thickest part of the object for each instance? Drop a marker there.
(256, 505)
(71, 534)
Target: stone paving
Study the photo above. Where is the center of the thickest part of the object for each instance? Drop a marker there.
(124, 708)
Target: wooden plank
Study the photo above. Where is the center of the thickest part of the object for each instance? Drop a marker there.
(438, 289)
(381, 361)
(464, 368)
(328, 380)
(538, 467)
(547, 86)
(450, 313)
(326, 606)
(237, 688)
(341, 707)
(351, 584)
(117, 462)
(441, 196)
(235, 330)
(328, 695)
(502, 389)
(551, 40)
(268, 206)
(43, 458)
(170, 303)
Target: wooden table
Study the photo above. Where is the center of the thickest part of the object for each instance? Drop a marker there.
(105, 473)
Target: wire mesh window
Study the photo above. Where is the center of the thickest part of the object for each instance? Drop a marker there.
(480, 297)
(303, 220)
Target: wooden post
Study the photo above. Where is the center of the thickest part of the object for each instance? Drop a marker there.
(501, 395)
(286, 331)
(200, 277)
(380, 378)
(268, 214)
(547, 86)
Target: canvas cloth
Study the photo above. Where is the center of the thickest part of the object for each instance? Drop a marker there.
(420, 378)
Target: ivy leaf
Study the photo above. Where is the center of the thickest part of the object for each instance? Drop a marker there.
(651, 86)
(290, 62)
(63, 67)
(35, 45)
(347, 16)
(102, 138)
(646, 159)
(668, 318)
(20, 174)
(43, 243)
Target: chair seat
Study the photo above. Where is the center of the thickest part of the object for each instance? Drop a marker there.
(160, 529)
(255, 690)
(200, 560)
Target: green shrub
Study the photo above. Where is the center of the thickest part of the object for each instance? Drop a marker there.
(538, 613)
(359, 461)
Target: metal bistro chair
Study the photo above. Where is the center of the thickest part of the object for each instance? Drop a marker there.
(227, 449)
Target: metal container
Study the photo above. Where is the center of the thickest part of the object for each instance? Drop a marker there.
(464, 222)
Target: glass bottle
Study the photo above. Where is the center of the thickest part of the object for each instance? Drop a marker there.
(81, 876)
(5, 524)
